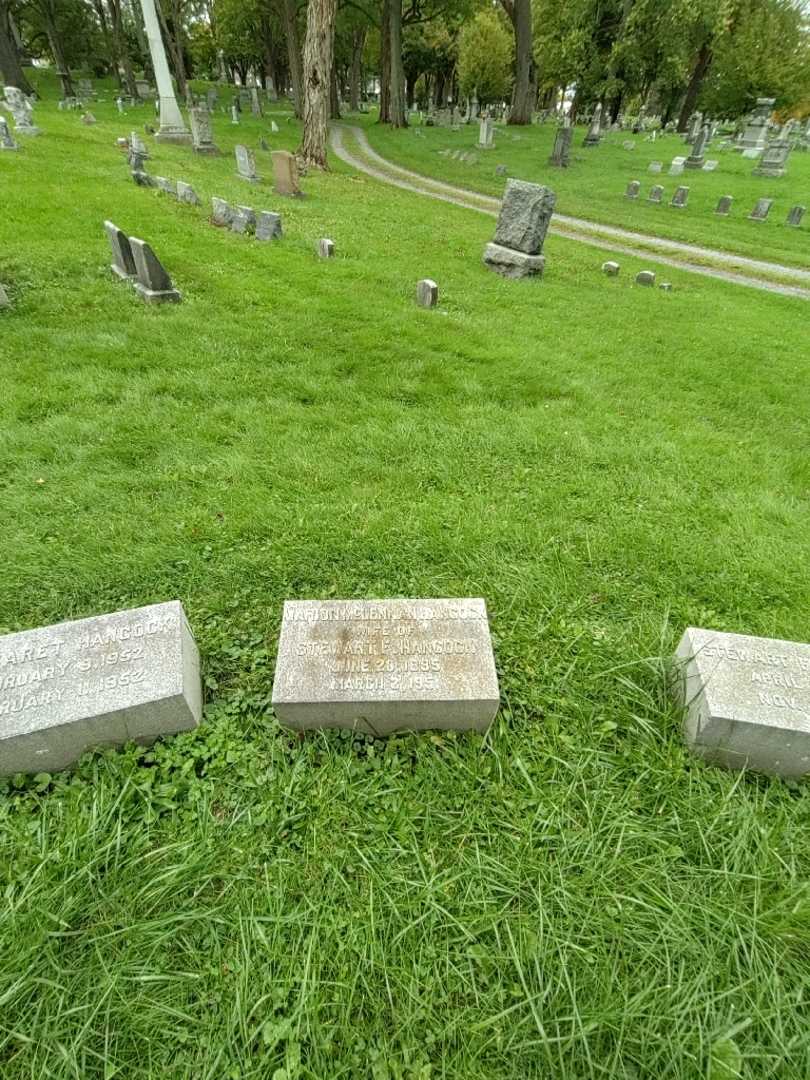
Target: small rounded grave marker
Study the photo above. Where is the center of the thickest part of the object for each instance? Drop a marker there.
(427, 293)
(645, 277)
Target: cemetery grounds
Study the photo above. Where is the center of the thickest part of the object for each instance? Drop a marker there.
(572, 895)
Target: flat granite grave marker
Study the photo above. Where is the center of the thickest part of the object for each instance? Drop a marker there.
(680, 198)
(724, 205)
(381, 666)
(746, 700)
(427, 293)
(104, 681)
(655, 166)
(123, 263)
(154, 285)
(760, 211)
(610, 268)
(221, 212)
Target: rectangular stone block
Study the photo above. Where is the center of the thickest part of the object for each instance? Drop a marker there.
(103, 681)
(381, 666)
(746, 700)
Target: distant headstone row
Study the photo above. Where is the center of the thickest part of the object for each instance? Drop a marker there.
(265, 225)
(135, 261)
(643, 277)
(285, 170)
(681, 198)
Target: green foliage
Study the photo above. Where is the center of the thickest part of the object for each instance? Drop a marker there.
(486, 52)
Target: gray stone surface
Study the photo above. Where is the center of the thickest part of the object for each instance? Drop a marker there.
(746, 700)
(561, 151)
(427, 293)
(724, 205)
(243, 220)
(655, 166)
(795, 216)
(760, 211)
(680, 198)
(525, 215)
(756, 130)
(486, 133)
(656, 194)
(143, 179)
(202, 136)
(221, 212)
(187, 194)
(594, 134)
(697, 159)
(645, 277)
(246, 163)
(326, 248)
(610, 268)
(123, 263)
(633, 188)
(167, 186)
(131, 675)
(285, 173)
(268, 226)
(382, 666)
(5, 302)
(22, 110)
(774, 159)
(665, 286)
(710, 166)
(154, 285)
(513, 264)
(6, 140)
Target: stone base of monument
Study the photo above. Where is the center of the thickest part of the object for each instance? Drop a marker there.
(513, 264)
(157, 296)
(382, 666)
(176, 136)
(64, 689)
(746, 701)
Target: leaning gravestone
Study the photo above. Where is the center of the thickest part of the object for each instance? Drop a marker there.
(285, 173)
(594, 134)
(521, 230)
(268, 226)
(561, 152)
(123, 263)
(795, 216)
(127, 676)
(724, 205)
(760, 211)
(154, 285)
(427, 293)
(746, 700)
(381, 666)
(246, 164)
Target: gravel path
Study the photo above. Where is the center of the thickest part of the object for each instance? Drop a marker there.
(605, 237)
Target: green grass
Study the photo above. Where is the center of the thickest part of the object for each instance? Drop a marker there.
(572, 896)
(593, 186)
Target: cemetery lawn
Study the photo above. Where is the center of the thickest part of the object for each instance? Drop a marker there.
(593, 186)
(572, 895)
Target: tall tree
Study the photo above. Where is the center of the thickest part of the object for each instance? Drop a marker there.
(523, 93)
(10, 66)
(290, 13)
(318, 53)
(396, 103)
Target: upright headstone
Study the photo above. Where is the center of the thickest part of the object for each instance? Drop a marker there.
(285, 173)
(594, 134)
(187, 194)
(268, 226)
(680, 198)
(172, 126)
(774, 159)
(21, 109)
(697, 159)
(427, 293)
(137, 145)
(610, 268)
(202, 135)
(234, 114)
(326, 248)
(105, 681)
(255, 103)
(521, 231)
(656, 194)
(561, 153)
(123, 263)
(154, 285)
(485, 133)
(760, 211)
(795, 216)
(645, 277)
(243, 220)
(382, 666)
(274, 127)
(246, 163)
(756, 130)
(693, 128)
(221, 212)
(633, 188)
(6, 140)
(724, 205)
(746, 700)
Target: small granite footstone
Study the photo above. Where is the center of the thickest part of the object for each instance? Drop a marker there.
(154, 285)
(633, 189)
(746, 700)
(326, 248)
(268, 226)
(381, 666)
(123, 263)
(143, 179)
(665, 286)
(169, 186)
(524, 218)
(645, 277)
(610, 268)
(104, 681)
(427, 293)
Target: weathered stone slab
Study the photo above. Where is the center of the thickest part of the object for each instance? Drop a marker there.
(561, 152)
(243, 220)
(202, 136)
(167, 186)
(187, 194)
(633, 188)
(795, 216)
(724, 205)
(645, 277)
(6, 141)
(326, 248)
(154, 285)
(427, 293)
(513, 264)
(285, 173)
(525, 215)
(221, 212)
(131, 675)
(246, 164)
(746, 700)
(680, 198)
(656, 194)
(268, 226)
(123, 263)
(655, 166)
(610, 268)
(385, 665)
(760, 211)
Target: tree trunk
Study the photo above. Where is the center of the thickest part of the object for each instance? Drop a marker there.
(334, 96)
(358, 41)
(520, 12)
(699, 73)
(398, 117)
(10, 66)
(318, 52)
(385, 63)
(294, 56)
(121, 47)
(438, 99)
(55, 43)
